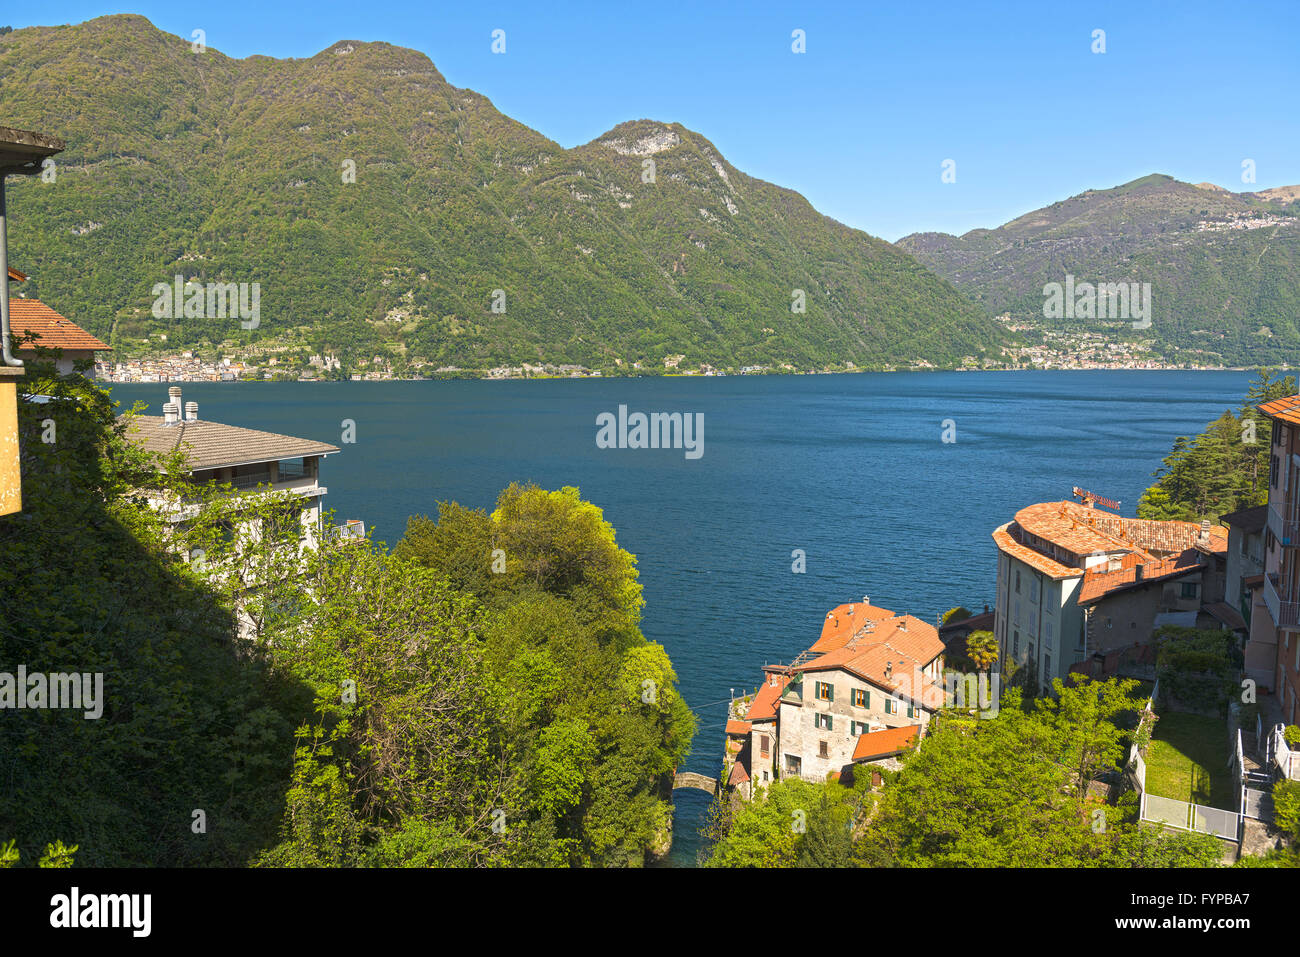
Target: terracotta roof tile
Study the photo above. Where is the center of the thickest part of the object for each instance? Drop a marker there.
(737, 727)
(1283, 410)
(886, 743)
(768, 700)
(886, 652)
(1098, 582)
(16, 276)
(53, 331)
(738, 775)
(1050, 567)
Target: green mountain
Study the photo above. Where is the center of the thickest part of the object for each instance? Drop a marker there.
(1224, 267)
(191, 163)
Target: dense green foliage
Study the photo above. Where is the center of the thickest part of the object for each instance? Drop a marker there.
(187, 723)
(218, 169)
(1223, 469)
(588, 702)
(1220, 293)
(1199, 668)
(1008, 791)
(388, 710)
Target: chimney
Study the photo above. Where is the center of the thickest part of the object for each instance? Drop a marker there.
(175, 394)
(1204, 537)
(191, 411)
(171, 413)
(902, 624)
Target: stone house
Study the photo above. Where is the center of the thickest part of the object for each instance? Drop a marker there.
(870, 671)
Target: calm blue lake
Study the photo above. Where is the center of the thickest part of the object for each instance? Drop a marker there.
(850, 468)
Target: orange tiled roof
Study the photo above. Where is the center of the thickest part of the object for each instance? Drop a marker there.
(1037, 560)
(843, 622)
(1283, 410)
(738, 775)
(887, 652)
(737, 727)
(54, 331)
(1078, 531)
(883, 744)
(768, 700)
(1098, 583)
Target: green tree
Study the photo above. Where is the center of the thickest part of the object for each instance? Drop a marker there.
(982, 649)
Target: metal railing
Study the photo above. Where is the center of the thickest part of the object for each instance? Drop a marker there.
(1285, 757)
(252, 479)
(1286, 614)
(1285, 525)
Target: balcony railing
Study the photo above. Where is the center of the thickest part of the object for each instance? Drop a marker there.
(1286, 613)
(1284, 523)
(252, 479)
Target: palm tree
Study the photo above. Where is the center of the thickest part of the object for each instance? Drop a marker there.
(982, 649)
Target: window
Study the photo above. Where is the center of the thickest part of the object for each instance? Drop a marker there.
(861, 698)
(1190, 589)
(1033, 589)
(1272, 471)
(822, 721)
(1015, 644)
(889, 706)
(858, 727)
(1017, 581)
(911, 711)
(1047, 666)
(823, 750)
(824, 691)
(793, 764)
(763, 744)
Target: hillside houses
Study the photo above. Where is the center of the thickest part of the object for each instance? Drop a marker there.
(1079, 588)
(863, 692)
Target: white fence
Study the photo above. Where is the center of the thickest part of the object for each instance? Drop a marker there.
(1185, 815)
(1287, 758)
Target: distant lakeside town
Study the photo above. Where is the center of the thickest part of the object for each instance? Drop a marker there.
(187, 366)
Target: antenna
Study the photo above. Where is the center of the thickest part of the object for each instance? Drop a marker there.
(1087, 498)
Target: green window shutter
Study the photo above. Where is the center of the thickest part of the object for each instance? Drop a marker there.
(830, 691)
(910, 713)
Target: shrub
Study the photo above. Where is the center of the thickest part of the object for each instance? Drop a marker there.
(1286, 808)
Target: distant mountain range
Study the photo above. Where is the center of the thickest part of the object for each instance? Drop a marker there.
(1224, 267)
(467, 239)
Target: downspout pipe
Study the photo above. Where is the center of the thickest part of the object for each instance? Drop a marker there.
(6, 351)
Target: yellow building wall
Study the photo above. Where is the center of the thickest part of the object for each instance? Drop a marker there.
(11, 488)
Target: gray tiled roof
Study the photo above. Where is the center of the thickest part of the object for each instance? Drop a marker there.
(210, 445)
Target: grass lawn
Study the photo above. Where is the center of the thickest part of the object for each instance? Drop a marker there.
(1188, 760)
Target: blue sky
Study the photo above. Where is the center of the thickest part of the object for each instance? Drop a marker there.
(862, 122)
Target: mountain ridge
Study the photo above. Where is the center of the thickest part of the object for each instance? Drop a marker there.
(1224, 267)
(221, 169)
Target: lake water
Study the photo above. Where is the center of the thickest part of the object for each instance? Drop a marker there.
(850, 468)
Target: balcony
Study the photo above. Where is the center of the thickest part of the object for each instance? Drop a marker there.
(1285, 612)
(1284, 523)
